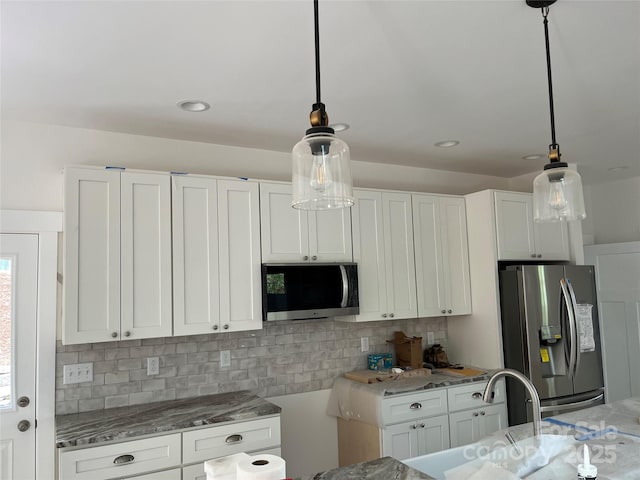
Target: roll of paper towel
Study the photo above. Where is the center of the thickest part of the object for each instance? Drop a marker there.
(261, 467)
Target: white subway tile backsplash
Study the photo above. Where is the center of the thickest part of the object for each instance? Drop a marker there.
(282, 358)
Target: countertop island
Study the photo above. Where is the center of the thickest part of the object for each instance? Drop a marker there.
(611, 431)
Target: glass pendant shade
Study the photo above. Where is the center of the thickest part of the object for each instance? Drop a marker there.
(321, 172)
(557, 195)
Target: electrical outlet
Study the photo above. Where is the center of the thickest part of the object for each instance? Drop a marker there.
(364, 344)
(78, 373)
(153, 366)
(431, 338)
(225, 358)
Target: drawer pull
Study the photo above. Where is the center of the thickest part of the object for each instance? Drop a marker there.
(415, 406)
(476, 395)
(234, 438)
(475, 414)
(123, 459)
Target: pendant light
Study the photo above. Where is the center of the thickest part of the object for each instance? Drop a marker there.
(557, 191)
(321, 164)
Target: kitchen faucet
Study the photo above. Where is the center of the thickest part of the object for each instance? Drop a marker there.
(487, 396)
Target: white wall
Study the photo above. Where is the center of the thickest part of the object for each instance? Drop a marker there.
(34, 155)
(614, 208)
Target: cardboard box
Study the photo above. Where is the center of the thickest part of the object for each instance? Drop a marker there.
(408, 350)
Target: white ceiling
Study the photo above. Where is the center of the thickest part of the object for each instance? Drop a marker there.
(403, 74)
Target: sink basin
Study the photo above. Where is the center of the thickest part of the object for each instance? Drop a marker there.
(496, 456)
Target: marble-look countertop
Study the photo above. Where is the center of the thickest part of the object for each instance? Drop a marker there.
(385, 468)
(122, 423)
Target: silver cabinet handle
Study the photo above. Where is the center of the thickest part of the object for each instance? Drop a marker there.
(476, 395)
(482, 412)
(384, 315)
(391, 315)
(415, 406)
(23, 401)
(233, 438)
(422, 425)
(443, 311)
(215, 327)
(114, 334)
(414, 426)
(306, 257)
(533, 255)
(314, 258)
(127, 333)
(124, 459)
(24, 425)
(539, 255)
(225, 326)
(475, 414)
(449, 311)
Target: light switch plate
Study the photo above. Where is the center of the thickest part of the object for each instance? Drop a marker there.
(77, 373)
(153, 366)
(225, 358)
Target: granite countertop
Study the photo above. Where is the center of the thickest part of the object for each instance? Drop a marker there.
(122, 423)
(385, 468)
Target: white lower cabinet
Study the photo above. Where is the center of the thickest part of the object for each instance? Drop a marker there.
(168, 457)
(411, 439)
(423, 422)
(469, 426)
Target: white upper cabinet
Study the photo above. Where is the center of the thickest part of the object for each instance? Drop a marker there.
(520, 238)
(117, 255)
(297, 236)
(91, 255)
(383, 250)
(442, 255)
(216, 255)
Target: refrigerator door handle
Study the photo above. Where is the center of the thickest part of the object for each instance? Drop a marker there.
(574, 305)
(572, 406)
(572, 326)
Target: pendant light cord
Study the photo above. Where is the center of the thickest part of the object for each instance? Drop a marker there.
(317, 49)
(545, 13)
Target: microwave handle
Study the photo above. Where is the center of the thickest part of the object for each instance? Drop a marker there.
(345, 287)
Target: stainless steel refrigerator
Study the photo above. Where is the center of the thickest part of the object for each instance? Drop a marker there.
(551, 333)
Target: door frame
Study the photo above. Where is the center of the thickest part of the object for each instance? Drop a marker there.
(47, 225)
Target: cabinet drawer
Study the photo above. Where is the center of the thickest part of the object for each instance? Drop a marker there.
(405, 408)
(98, 463)
(470, 396)
(208, 443)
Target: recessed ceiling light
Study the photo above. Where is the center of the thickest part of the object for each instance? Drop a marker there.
(339, 127)
(447, 143)
(618, 169)
(533, 156)
(194, 105)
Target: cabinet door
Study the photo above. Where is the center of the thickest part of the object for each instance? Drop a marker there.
(368, 253)
(552, 240)
(430, 259)
(399, 255)
(196, 295)
(91, 256)
(173, 474)
(400, 441)
(433, 434)
(469, 426)
(514, 226)
(239, 247)
(330, 235)
(285, 230)
(455, 252)
(146, 255)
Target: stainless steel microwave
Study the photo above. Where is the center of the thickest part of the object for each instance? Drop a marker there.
(296, 291)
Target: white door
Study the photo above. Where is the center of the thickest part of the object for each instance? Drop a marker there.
(18, 301)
